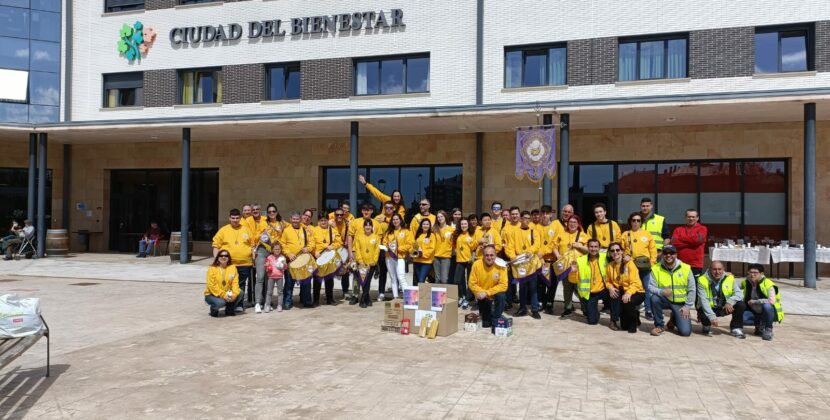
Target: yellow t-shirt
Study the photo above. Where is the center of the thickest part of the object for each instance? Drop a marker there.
(520, 241)
(444, 245)
(415, 223)
(366, 249)
(326, 237)
(547, 240)
(426, 243)
(464, 245)
(495, 239)
(294, 240)
(492, 280)
(639, 244)
(238, 241)
(597, 281)
(221, 280)
(403, 239)
(603, 232)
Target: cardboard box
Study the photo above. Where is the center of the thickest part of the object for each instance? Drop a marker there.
(396, 330)
(392, 316)
(504, 327)
(447, 317)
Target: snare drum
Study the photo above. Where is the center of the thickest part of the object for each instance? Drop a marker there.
(302, 268)
(562, 266)
(524, 267)
(342, 258)
(326, 264)
(546, 274)
(501, 263)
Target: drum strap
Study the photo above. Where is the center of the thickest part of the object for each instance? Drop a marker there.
(305, 237)
(610, 230)
(331, 239)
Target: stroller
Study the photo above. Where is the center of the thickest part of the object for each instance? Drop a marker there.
(27, 247)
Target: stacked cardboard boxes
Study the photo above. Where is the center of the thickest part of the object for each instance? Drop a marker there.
(447, 316)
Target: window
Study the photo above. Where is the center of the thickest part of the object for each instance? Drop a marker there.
(201, 86)
(392, 75)
(14, 22)
(784, 50)
(13, 189)
(535, 66)
(123, 89)
(282, 82)
(14, 53)
(653, 58)
(45, 56)
(48, 5)
(46, 26)
(441, 184)
(44, 88)
(123, 5)
(197, 1)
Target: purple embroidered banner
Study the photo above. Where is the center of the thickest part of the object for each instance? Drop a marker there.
(535, 152)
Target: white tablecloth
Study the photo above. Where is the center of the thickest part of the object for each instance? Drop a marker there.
(797, 255)
(754, 255)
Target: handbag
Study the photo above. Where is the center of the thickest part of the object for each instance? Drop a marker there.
(642, 262)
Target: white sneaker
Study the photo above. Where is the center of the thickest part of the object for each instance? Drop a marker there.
(267, 308)
(258, 309)
(381, 298)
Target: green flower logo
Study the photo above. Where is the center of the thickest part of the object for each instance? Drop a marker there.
(135, 40)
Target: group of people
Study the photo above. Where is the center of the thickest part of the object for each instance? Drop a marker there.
(496, 259)
(17, 235)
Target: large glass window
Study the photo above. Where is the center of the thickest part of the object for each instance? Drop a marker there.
(200, 86)
(784, 50)
(123, 5)
(442, 185)
(535, 66)
(44, 88)
(48, 5)
(46, 26)
(14, 22)
(14, 53)
(283, 81)
(43, 113)
(14, 190)
(14, 112)
(123, 89)
(736, 199)
(391, 75)
(653, 58)
(45, 56)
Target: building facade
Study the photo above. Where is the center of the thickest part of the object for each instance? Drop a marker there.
(695, 105)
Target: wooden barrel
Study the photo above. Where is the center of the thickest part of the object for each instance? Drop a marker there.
(57, 242)
(176, 246)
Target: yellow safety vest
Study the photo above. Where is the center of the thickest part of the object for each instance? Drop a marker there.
(676, 279)
(585, 275)
(725, 287)
(765, 285)
(654, 226)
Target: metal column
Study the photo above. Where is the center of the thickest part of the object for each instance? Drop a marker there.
(185, 216)
(564, 157)
(479, 171)
(41, 198)
(30, 210)
(353, 168)
(67, 169)
(810, 195)
(547, 182)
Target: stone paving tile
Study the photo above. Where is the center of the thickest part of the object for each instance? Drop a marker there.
(148, 350)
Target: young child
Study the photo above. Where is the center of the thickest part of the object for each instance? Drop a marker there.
(275, 267)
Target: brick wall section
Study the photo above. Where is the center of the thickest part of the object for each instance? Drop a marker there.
(592, 61)
(159, 4)
(326, 79)
(724, 52)
(160, 87)
(242, 83)
(822, 56)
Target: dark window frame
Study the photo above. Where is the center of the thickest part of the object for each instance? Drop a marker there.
(806, 29)
(380, 60)
(665, 38)
(180, 81)
(188, 2)
(532, 48)
(113, 6)
(287, 69)
(107, 85)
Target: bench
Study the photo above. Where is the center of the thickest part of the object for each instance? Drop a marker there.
(12, 348)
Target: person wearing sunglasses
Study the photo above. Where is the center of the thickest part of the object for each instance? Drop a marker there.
(222, 285)
(345, 210)
(383, 220)
(639, 246)
(396, 198)
(497, 221)
(624, 286)
(672, 286)
(237, 240)
(423, 213)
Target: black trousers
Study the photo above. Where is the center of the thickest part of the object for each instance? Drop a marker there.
(629, 315)
(382, 272)
(364, 288)
(737, 316)
(329, 282)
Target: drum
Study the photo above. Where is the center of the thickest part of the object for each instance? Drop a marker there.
(302, 268)
(327, 264)
(501, 263)
(524, 266)
(562, 266)
(342, 258)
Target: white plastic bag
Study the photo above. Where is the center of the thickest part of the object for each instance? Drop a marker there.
(19, 317)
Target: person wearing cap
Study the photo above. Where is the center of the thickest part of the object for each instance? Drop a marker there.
(672, 286)
(763, 301)
(14, 239)
(719, 294)
(654, 223)
(488, 284)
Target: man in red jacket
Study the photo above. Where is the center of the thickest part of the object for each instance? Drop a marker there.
(690, 241)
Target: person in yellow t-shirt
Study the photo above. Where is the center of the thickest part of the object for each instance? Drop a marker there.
(337, 219)
(345, 208)
(573, 238)
(383, 220)
(326, 238)
(423, 213)
(522, 241)
(238, 241)
(487, 234)
(366, 248)
(222, 285)
(296, 240)
(593, 284)
(464, 246)
(604, 230)
(497, 220)
(247, 210)
(488, 284)
(443, 247)
(560, 224)
(398, 241)
(513, 221)
(396, 198)
(625, 284)
(639, 247)
(548, 282)
(257, 226)
(423, 252)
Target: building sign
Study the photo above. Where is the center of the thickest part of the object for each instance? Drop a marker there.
(345, 22)
(135, 40)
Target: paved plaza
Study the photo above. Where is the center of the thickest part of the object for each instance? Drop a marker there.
(146, 348)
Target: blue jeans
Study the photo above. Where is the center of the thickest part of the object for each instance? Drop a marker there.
(658, 303)
(288, 291)
(529, 294)
(217, 303)
(644, 279)
(145, 247)
(592, 307)
(462, 275)
(421, 272)
(765, 318)
(244, 276)
(491, 309)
